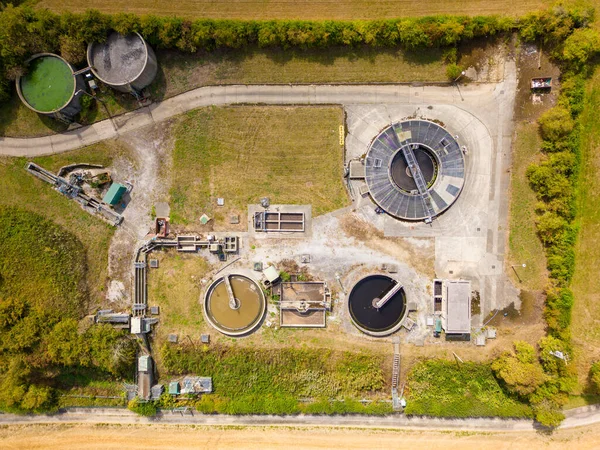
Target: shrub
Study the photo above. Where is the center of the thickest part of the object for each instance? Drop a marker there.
(595, 376)
(453, 72)
(580, 46)
(556, 123)
(519, 370)
(146, 409)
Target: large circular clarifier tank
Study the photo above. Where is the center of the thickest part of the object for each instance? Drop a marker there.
(244, 314)
(50, 86)
(362, 302)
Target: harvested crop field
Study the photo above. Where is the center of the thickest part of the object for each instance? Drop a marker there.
(147, 437)
(303, 9)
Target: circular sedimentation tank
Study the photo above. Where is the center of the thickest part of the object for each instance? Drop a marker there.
(124, 62)
(423, 187)
(362, 304)
(238, 314)
(49, 85)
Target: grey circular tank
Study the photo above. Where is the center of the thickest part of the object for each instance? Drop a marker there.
(126, 63)
(50, 87)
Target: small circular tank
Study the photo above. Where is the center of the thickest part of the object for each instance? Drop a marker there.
(377, 305)
(235, 305)
(50, 87)
(124, 62)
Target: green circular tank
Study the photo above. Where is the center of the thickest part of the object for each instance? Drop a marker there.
(49, 86)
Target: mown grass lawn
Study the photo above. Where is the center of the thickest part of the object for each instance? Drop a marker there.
(525, 246)
(289, 154)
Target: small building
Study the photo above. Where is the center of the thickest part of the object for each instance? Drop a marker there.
(114, 194)
(196, 385)
(174, 388)
(456, 308)
(271, 274)
(145, 377)
(144, 363)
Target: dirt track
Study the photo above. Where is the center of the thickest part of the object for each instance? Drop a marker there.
(177, 437)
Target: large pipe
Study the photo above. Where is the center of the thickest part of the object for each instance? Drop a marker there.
(378, 303)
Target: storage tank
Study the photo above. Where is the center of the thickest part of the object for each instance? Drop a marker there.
(377, 305)
(126, 63)
(50, 87)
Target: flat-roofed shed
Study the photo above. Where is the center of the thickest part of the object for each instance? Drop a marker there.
(458, 307)
(114, 194)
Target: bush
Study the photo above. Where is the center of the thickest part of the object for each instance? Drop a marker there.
(595, 376)
(146, 409)
(520, 370)
(453, 72)
(580, 46)
(556, 123)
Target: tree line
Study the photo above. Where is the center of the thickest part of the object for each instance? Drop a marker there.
(25, 31)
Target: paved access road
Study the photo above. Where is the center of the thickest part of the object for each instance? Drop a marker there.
(247, 94)
(575, 418)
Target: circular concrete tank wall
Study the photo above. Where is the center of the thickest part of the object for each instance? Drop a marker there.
(415, 169)
(364, 311)
(49, 87)
(237, 314)
(126, 63)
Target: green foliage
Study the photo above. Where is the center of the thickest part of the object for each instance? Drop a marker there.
(272, 381)
(580, 46)
(441, 388)
(146, 409)
(41, 299)
(453, 71)
(548, 415)
(559, 303)
(556, 123)
(519, 370)
(595, 376)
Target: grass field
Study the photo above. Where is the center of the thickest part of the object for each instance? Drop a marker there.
(586, 283)
(289, 154)
(524, 244)
(180, 72)
(17, 188)
(272, 381)
(300, 9)
(176, 288)
(16, 120)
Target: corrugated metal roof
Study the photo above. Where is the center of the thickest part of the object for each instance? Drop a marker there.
(114, 194)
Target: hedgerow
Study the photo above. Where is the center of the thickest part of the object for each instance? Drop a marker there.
(554, 180)
(25, 31)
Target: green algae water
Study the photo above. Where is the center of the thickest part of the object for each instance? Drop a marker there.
(49, 84)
